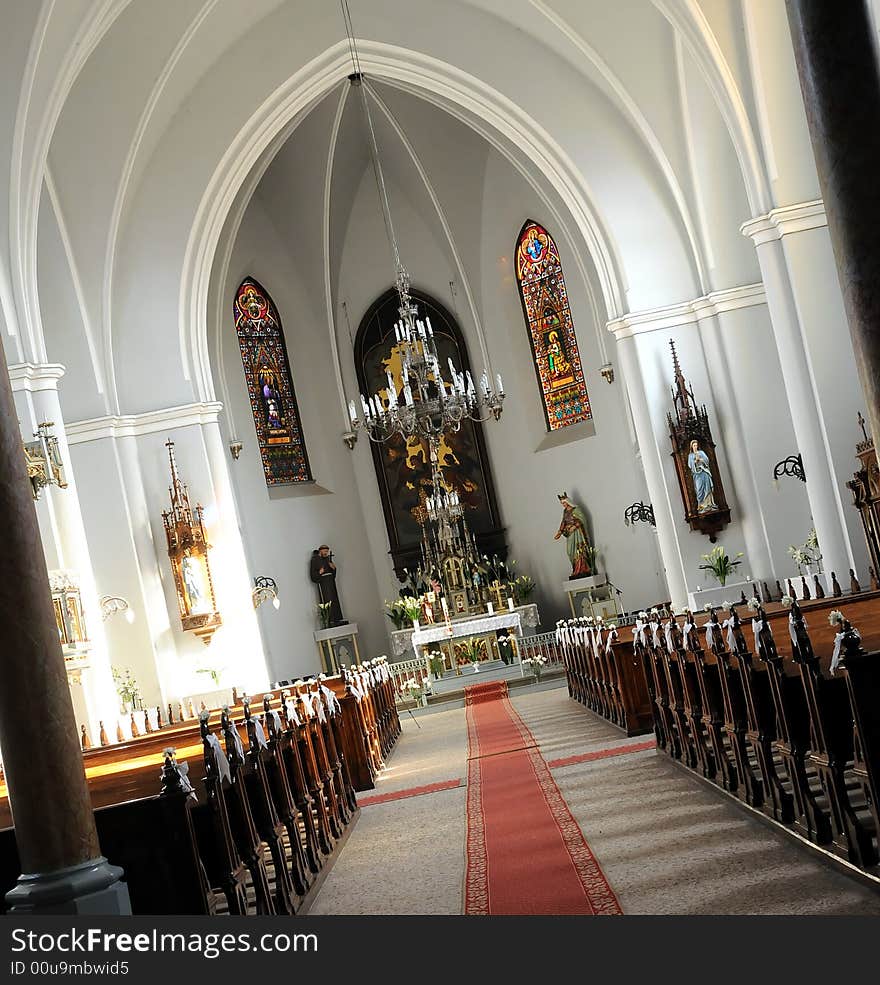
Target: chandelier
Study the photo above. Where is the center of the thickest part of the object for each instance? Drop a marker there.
(423, 405)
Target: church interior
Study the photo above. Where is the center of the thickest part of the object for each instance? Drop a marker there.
(438, 436)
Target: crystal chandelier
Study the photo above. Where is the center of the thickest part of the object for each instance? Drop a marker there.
(425, 405)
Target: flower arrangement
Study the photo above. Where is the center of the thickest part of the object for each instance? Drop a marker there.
(523, 586)
(753, 604)
(787, 601)
(719, 562)
(835, 617)
(324, 614)
(536, 664)
(808, 554)
(415, 689)
(126, 687)
(437, 663)
(471, 650)
(403, 611)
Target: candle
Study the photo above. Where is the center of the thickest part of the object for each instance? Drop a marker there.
(415, 624)
(445, 609)
(490, 608)
(500, 384)
(510, 604)
(352, 413)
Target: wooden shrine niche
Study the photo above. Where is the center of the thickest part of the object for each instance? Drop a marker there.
(403, 469)
(696, 466)
(865, 487)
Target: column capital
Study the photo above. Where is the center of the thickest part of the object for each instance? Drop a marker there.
(785, 220)
(33, 377)
(686, 312)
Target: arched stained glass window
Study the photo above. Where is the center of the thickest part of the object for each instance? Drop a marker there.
(551, 329)
(270, 387)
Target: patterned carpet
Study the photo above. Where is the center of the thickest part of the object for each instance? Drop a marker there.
(666, 843)
(525, 852)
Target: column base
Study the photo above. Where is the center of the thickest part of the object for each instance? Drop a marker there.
(94, 888)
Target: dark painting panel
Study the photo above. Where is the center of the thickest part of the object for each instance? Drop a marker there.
(404, 469)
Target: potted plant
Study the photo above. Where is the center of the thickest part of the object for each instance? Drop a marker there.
(719, 562)
(536, 665)
(127, 688)
(324, 614)
(471, 651)
(437, 663)
(396, 613)
(523, 587)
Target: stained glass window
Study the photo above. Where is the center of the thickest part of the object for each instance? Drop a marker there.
(270, 387)
(551, 328)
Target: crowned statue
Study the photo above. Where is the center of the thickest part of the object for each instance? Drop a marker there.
(574, 529)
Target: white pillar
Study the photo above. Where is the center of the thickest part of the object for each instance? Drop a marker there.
(69, 548)
(804, 402)
(670, 552)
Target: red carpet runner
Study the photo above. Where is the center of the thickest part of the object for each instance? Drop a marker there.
(525, 852)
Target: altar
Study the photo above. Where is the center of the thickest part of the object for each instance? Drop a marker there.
(446, 643)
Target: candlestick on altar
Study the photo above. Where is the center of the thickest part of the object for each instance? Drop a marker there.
(445, 608)
(510, 603)
(490, 608)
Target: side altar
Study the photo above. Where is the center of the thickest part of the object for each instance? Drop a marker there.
(492, 635)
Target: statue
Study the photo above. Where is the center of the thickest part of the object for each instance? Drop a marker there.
(698, 463)
(574, 529)
(322, 571)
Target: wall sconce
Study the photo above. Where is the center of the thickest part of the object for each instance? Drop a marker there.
(607, 372)
(44, 465)
(111, 604)
(793, 465)
(188, 549)
(265, 589)
(639, 512)
(350, 439)
(235, 447)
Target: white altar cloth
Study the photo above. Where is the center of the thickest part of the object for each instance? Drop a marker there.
(401, 639)
(461, 628)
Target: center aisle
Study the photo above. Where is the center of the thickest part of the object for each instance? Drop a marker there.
(667, 843)
(525, 851)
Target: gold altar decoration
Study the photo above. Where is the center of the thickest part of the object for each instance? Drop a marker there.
(43, 460)
(188, 549)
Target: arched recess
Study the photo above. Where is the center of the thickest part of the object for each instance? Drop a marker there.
(547, 314)
(270, 386)
(403, 470)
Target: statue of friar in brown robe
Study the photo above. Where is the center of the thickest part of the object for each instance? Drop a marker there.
(322, 571)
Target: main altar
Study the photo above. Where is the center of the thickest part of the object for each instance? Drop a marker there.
(493, 635)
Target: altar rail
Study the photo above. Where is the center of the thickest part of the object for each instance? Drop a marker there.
(541, 645)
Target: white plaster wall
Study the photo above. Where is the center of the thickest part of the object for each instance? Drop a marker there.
(281, 526)
(600, 472)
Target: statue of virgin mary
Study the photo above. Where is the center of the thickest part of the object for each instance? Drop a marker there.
(574, 529)
(698, 463)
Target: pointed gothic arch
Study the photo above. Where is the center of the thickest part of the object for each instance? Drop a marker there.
(270, 385)
(403, 470)
(544, 298)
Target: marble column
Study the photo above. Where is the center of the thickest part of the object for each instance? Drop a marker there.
(62, 867)
(835, 52)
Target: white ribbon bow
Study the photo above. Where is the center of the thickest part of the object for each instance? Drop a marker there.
(220, 758)
(318, 704)
(612, 638)
(686, 632)
(276, 720)
(670, 646)
(236, 741)
(290, 705)
(259, 733)
(710, 633)
(639, 632)
(838, 642)
(731, 638)
(332, 700)
(655, 634)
